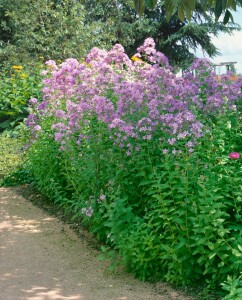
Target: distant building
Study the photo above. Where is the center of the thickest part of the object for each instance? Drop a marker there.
(224, 67)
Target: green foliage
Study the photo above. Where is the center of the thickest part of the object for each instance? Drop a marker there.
(14, 170)
(11, 157)
(175, 38)
(17, 85)
(234, 286)
(187, 7)
(167, 213)
(117, 23)
(50, 29)
(18, 177)
(177, 219)
(69, 28)
(44, 164)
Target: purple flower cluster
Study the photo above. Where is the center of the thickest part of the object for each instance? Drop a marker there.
(134, 101)
(213, 95)
(148, 51)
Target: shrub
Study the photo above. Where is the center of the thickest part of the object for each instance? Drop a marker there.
(51, 28)
(17, 86)
(11, 155)
(143, 157)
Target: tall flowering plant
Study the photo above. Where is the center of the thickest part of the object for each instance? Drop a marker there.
(136, 101)
(139, 154)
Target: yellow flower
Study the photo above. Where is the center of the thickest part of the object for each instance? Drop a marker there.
(86, 64)
(134, 58)
(17, 67)
(23, 75)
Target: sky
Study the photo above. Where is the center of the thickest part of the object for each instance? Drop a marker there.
(230, 46)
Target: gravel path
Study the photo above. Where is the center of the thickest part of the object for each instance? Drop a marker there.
(43, 259)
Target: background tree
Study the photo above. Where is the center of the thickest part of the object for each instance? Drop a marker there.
(49, 28)
(117, 21)
(179, 40)
(185, 8)
(57, 29)
(176, 38)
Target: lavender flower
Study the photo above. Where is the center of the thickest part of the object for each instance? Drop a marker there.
(133, 103)
(33, 101)
(37, 127)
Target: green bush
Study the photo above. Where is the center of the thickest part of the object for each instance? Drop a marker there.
(11, 157)
(172, 218)
(17, 86)
(50, 29)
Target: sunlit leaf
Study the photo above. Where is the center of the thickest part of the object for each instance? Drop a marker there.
(170, 8)
(181, 14)
(190, 4)
(188, 11)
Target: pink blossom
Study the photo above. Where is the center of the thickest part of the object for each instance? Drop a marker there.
(234, 155)
(37, 127)
(33, 101)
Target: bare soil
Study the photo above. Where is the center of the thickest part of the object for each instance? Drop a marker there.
(43, 258)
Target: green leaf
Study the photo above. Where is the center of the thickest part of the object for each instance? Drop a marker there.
(211, 246)
(8, 113)
(220, 265)
(236, 252)
(170, 8)
(218, 9)
(139, 6)
(232, 4)
(181, 14)
(188, 11)
(190, 4)
(150, 3)
(227, 16)
(212, 255)
(224, 4)
(5, 124)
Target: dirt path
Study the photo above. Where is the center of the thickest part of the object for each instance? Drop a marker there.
(43, 259)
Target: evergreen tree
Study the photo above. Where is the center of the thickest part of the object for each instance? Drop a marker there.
(177, 39)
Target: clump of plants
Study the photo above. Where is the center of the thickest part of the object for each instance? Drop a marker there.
(11, 155)
(17, 85)
(151, 162)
